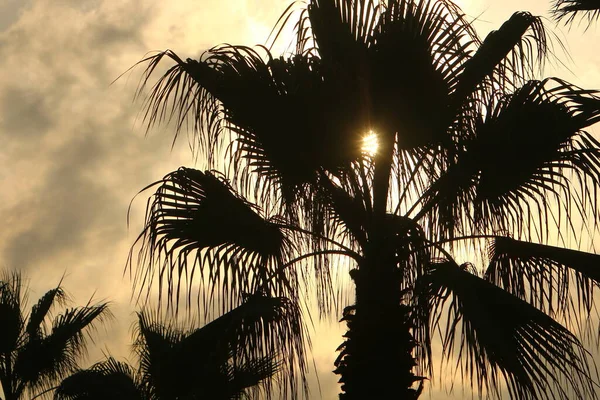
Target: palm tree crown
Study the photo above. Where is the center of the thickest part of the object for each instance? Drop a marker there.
(472, 148)
(35, 352)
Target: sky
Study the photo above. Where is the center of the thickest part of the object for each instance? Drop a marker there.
(75, 152)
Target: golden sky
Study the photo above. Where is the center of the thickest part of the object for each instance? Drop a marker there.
(74, 152)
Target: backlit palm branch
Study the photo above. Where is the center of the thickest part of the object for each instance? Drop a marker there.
(568, 10)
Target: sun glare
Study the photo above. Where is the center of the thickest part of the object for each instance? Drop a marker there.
(370, 143)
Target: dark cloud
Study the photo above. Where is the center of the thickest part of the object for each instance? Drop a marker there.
(70, 204)
(24, 113)
(10, 10)
(73, 157)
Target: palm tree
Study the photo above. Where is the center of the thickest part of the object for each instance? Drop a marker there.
(210, 362)
(473, 153)
(35, 352)
(568, 10)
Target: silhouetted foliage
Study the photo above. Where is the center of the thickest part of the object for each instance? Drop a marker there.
(213, 362)
(110, 379)
(472, 147)
(36, 351)
(569, 10)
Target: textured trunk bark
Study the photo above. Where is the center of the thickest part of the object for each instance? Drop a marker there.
(376, 360)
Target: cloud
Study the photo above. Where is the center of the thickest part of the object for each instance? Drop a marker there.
(10, 10)
(72, 155)
(74, 151)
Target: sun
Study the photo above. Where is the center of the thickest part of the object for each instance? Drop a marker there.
(370, 144)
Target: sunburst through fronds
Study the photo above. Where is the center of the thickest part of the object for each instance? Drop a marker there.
(370, 143)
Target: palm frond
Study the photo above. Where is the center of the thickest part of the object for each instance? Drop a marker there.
(348, 206)
(109, 379)
(415, 53)
(155, 344)
(560, 282)
(530, 148)
(405, 240)
(205, 360)
(176, 95)
(234, 87)
(507, 56)
(260, 327)
(368, 42)
(197, 223)
(246, 378)
(538, 148)
(499, 338)
(10, 314)
(569, 10)
(113, 366)
(40, 311)
(42, 361)
(338, 29)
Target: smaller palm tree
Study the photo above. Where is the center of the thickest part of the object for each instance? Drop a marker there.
(35, 351)
(229, 358)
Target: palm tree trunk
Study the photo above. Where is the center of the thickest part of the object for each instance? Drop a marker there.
(376, 359)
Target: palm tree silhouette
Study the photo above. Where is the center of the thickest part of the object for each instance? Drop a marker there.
(210, 362)
(471, 150)
(34, 354)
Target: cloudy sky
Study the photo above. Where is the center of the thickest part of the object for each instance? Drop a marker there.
(74, 152)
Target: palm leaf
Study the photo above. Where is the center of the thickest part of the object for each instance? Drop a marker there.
(260, 327)
(415, 53)
(40, 311)
(110, 379)
(233, 87)
(500, 337)
(546, 276)
(405, 240)
(506, 55)
(198, 223)
(247, 377)
(568, 10)
(540, 129)
(10, 315)
(340, 29)
(42, 361)
(155, 344)
(208, 359)
(368, 42)
(530, 147)
(348, 203)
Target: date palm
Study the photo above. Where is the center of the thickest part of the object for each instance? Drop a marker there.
(209, 362)
(471, 150)
(36, 352)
